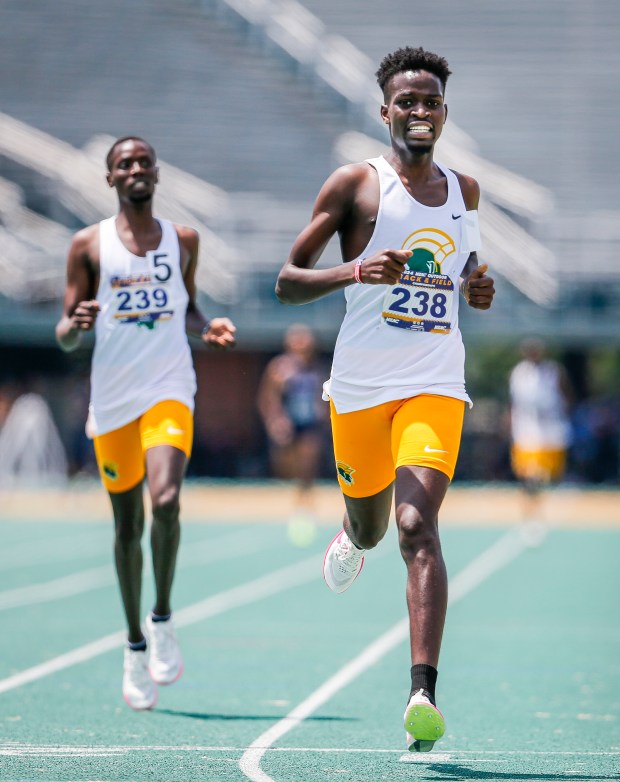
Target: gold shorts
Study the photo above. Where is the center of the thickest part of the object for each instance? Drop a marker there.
(370, 444)
(539, 466)
(120, 453)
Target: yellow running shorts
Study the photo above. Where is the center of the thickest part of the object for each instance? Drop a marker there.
(370, 444)
(120, 453)
(538, 466)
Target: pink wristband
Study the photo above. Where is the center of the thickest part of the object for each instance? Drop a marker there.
(357, 270)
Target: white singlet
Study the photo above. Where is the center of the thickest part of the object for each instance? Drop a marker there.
(400, 341)
(539, 419)
(141, 355)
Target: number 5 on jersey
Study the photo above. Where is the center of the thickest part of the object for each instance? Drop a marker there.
(162, 271)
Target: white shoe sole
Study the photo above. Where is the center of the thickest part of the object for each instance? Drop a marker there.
(165, 682)
(147, 706)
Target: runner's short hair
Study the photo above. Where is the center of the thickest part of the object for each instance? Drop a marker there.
(410, 59)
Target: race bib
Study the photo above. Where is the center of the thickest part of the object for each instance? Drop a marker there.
(143, 298)
(420, 302)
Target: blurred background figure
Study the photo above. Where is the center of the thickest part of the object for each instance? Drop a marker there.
(540, 398)
(31, 452)
(295, 417)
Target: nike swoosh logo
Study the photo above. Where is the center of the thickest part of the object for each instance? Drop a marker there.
(428, 449)
(456, 217)
(174, 430)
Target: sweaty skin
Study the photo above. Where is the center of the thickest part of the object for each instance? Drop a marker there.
(348, 205)
(134, 175)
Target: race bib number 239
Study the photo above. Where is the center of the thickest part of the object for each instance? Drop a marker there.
(420, 302)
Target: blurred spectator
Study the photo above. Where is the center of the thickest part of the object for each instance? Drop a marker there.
(31, 452)
(540, 428)
(595, 450)
(295, 418)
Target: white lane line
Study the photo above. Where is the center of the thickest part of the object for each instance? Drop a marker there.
(25, 750)
(237, 544)
(503, 551)
(250, 592)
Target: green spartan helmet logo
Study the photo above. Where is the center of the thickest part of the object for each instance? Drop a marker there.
(345, 473)
(423, 261)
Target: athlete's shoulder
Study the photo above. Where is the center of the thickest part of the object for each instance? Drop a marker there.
(282, 367)
(188, 237)
(185, 232)
(469, 188)
(85, 242)
(353, 174)
(345, 184)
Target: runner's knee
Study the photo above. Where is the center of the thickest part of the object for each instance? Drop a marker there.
(128, 531)
(366, 536)
(417, 533)
(165, 503)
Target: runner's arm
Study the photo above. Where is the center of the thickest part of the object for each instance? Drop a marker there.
(79, 307)
(217, 332)
(299, 282)
(477, 288)
(270, 405)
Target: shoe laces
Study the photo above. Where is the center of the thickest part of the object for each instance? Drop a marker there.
(347, 555)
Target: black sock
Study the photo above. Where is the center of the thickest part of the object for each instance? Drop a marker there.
(158, 618)
(137, 646)
(424, 677)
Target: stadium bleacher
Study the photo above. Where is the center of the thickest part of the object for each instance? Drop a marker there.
(251, 103)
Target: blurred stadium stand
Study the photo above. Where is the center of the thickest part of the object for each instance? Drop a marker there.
(250, 104)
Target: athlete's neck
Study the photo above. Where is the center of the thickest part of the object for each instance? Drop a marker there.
(138, 218)
(138, 229)
(415, 166)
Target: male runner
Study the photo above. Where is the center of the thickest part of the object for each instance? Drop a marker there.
(540, 397)
(131, 278)
(408, 233)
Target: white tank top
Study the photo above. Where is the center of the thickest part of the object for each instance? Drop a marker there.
(400, 341)
(539, 419)
(141, 354)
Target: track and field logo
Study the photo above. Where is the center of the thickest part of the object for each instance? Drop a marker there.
(430, 248)
(345, 473)
(110, 470)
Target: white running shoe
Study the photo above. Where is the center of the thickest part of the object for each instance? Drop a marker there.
(342, 564)
(139, 690)
(165, 661)
(424, 723)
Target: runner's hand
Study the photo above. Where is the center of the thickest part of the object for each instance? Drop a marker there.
(384, 267)
(85, 315)
(478, 289)
(221, 334)
(280, 430)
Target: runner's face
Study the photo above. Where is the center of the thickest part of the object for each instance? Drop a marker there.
(133, 172)
(415, 110)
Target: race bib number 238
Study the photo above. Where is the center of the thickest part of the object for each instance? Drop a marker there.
(420, 302)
